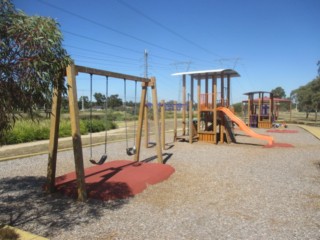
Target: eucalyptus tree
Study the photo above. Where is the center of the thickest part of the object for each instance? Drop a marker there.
(308, 97)
(32, 62)
(279, 92)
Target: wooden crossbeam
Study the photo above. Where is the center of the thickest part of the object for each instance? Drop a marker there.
(109, 74)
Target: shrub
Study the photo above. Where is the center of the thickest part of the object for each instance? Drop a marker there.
(28, 130)
(94, 125)
(99, 125)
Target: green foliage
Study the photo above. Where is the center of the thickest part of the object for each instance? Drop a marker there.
(98, 125)
(85, 101)
(32, 62)
(114, 101)
(116, 116)
(100, 99)
(237, 108)
(94, 125)
(65, 128)
(65, 103)
(308, 96)
(28, 130)
(278, 92)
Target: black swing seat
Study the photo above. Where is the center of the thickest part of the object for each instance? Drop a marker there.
(131, 151)
(101, 161)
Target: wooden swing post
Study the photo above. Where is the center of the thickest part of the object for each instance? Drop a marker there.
(54, 136)
(75, 132)
(163, 125)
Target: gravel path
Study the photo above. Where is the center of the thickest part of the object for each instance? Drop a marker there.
(236, 191)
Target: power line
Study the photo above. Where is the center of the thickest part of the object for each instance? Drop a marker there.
(102, 59)
(117, 46)
(100, 52)
(99, 41)
(166, 28)
(112, 29)
(121, 33)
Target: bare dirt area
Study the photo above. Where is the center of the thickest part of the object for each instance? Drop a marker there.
(224, 191)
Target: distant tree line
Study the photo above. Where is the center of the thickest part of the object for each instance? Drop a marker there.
(307, 97)
(100, 101)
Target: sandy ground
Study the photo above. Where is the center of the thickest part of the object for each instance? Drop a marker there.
(225, 191)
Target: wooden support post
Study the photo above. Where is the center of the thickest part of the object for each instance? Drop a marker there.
(146, 126)
(156, 118)
(75, 131)
(207, 101)
(259, 109)
(175, 121)
(54, 136)
(272, 107)
(207, 90)
(290, 109)
(184, 93)
(163, 127)
(222, 89)
(270, 110)
(222, 125)
(140, 121)
(214, 106)
(248, 111)
(228, 91)
(191, 111)
(199, 105)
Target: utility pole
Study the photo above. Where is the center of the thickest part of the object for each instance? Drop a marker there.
(146, 122)
(145, 63)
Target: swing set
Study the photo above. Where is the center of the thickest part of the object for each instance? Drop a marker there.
(71, 72)
(130, 150)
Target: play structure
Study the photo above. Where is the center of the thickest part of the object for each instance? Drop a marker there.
(214, 117)
(262, 109)
(71, 72)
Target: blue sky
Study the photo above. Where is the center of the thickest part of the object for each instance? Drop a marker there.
(270, 43)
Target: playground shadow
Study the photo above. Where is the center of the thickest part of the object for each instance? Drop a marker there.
(151, 144)
(167, 145)
(24, 204)
(166, 157)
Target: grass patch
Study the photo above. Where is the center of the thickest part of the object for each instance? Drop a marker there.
(28, 130)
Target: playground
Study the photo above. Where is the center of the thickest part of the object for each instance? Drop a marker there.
(209, 176)
(238, 191)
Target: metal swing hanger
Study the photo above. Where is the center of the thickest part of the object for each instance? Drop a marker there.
(104, 156)
(130, 150)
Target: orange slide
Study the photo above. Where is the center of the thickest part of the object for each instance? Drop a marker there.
(244, 127)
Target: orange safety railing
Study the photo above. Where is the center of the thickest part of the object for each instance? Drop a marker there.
(206, 101)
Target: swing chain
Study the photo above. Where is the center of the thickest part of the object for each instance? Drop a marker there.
(130, 150)
(104, 156)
